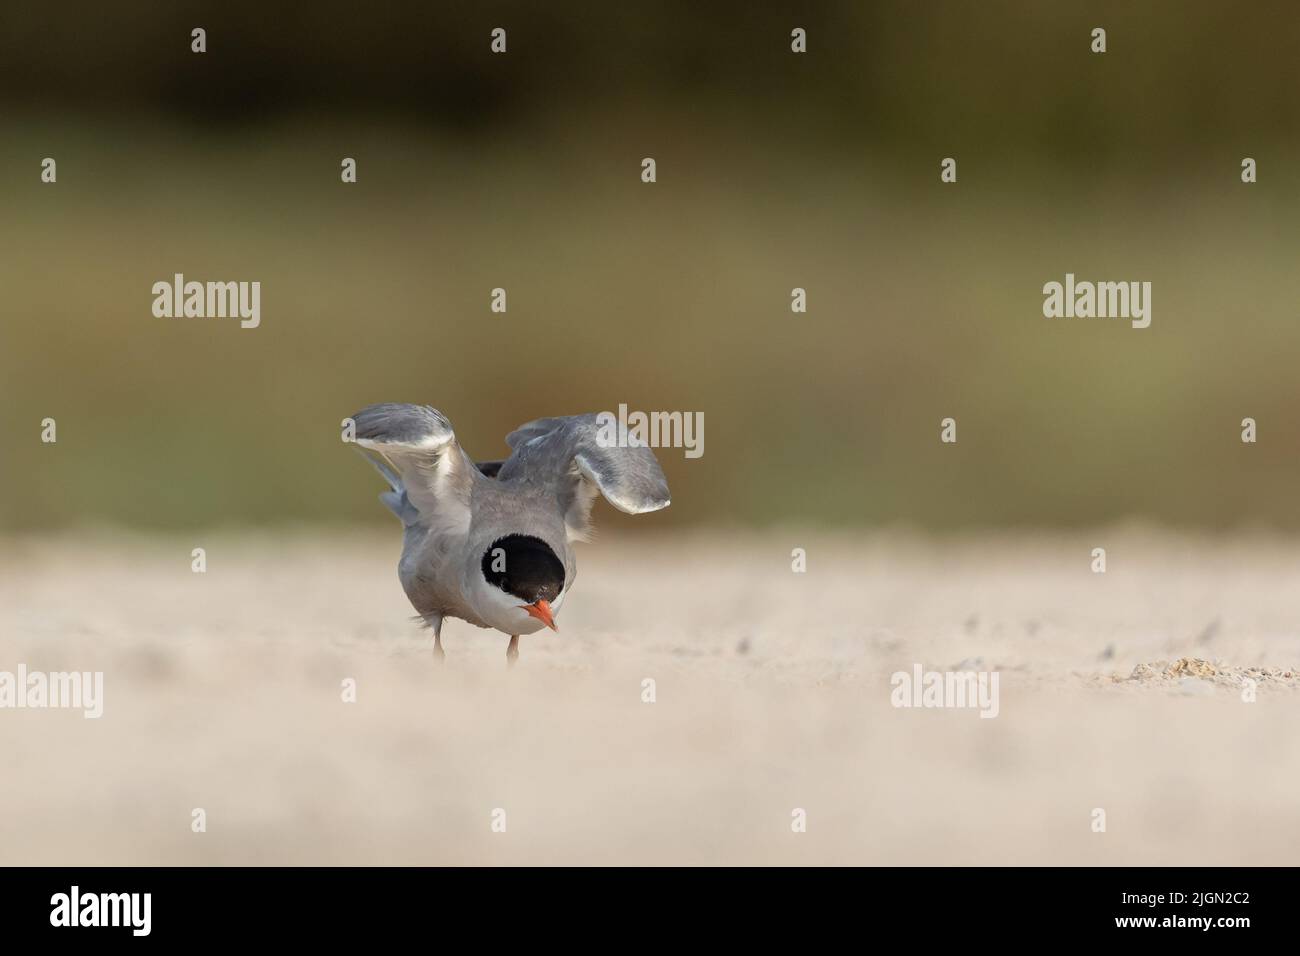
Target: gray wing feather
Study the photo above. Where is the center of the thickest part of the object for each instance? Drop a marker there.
(415, 449)
(399, 424)
(538, 429)
(576, 456)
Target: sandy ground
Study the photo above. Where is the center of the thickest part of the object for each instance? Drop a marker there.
(772, 692)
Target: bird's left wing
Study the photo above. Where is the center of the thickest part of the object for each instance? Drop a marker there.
(582, 455)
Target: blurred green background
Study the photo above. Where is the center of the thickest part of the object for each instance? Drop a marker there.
(775, 170)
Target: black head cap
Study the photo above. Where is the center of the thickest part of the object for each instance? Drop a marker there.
(525, 567)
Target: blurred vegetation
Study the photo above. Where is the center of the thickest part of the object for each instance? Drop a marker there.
(775, 171)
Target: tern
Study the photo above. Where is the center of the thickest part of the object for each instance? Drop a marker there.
(491, 542)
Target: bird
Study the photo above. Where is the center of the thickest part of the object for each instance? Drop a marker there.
(491, 542)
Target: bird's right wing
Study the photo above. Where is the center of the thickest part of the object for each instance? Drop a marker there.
(415, 449)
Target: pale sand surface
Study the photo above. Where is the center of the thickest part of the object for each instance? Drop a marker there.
(223, 692)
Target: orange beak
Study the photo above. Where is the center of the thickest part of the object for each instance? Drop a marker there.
(542, 611)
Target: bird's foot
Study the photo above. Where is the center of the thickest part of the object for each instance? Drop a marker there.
(439, 655)
(512, 652)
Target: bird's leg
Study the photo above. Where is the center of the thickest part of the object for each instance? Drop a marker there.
(438, 655)
(512, 652)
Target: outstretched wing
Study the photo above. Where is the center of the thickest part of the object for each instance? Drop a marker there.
(582, 455)
(415, 449)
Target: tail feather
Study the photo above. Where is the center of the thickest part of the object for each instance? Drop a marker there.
(401, 506)
(396, 500)
(382, 466)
